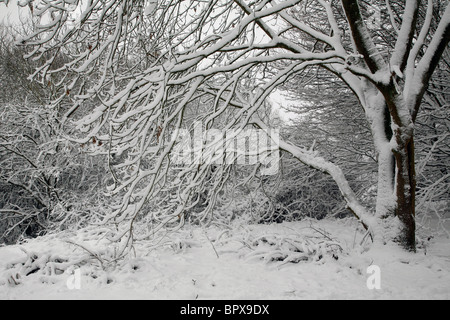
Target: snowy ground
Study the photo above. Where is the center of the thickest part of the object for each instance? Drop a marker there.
(210, 264)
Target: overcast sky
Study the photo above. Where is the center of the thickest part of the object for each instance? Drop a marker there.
(10, 14)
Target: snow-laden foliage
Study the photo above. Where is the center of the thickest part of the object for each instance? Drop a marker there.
(135, 76)
(47, 183)
(293, 249)
(84, 249)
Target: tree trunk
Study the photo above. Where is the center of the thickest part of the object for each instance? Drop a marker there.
(385, 206)
(406, 192)
(396, 179)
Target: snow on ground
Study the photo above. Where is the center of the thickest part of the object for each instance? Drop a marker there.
(210, 264)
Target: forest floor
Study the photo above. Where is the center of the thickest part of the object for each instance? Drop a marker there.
(241, 263)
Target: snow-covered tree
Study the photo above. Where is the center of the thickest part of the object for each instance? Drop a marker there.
(145, 64)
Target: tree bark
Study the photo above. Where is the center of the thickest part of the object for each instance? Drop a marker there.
(406, 192)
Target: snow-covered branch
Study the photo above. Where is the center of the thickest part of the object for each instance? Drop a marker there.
(362, 37)
(428, 63)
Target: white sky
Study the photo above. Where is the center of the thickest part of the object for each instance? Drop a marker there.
(9, 15)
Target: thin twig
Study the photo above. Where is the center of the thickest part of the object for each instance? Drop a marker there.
(87, 250)
(212, 245)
